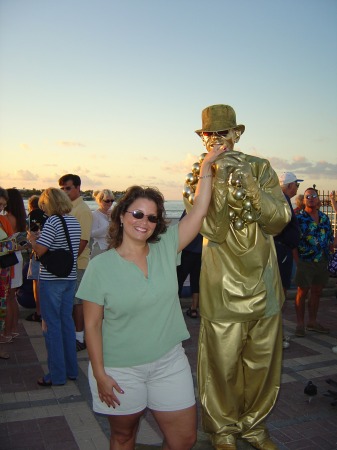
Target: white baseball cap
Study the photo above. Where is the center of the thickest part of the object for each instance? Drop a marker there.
(288, 177)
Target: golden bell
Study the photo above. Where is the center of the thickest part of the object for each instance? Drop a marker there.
(187, 191)
(239, 224)
(196, 168)
(191, 198)
(235, 181)
(239, 194)
(202, 157)
(247, 204)
(247, 216)
(189, 178)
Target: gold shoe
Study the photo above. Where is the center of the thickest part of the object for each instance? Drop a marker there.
(268, 444)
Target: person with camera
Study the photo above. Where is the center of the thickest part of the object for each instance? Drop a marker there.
(36, 220)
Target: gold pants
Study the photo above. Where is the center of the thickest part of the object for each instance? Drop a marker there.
(239, 370)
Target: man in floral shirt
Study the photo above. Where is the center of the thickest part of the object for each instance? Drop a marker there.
(314, 249)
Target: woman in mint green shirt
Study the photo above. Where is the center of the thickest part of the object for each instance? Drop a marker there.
(133, 320)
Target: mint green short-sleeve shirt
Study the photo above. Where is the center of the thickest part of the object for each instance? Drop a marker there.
(142, 316)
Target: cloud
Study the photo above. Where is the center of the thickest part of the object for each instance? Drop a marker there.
(25, 146)
(70, 144)
(183, 166)
(303, 167)
(101, 175)
(26, 175)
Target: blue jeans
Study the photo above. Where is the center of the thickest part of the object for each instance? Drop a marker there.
(56, 299)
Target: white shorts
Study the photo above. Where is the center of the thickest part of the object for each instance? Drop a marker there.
(163, 385)
(18, 279)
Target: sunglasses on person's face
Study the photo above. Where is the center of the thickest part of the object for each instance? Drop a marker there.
(216, 133)
(108, 201)
(66, 188)
(309, 196)
(139, 215)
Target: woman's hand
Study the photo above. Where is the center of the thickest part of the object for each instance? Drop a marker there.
(32, 236)
(105, 387)
(214, 153)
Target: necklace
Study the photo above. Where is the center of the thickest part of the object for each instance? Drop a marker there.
(246, 214)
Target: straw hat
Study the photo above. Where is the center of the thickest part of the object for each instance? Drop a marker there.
(219, 118)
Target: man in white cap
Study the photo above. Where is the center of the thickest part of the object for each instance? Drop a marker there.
(289, 238)
(241, 295)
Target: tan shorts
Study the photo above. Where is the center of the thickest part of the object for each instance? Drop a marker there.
(309, 273)
(80, 273)
(163, 385)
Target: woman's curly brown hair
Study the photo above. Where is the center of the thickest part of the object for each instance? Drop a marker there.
(115, 234)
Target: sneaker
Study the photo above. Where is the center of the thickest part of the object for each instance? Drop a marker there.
(80, 346)
(285, 343)
(318, 328)
(334, 349)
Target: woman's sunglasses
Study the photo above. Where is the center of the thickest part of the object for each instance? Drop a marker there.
(139, 215)
(108, 201)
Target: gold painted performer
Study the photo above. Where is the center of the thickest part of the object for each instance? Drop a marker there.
(241, 295)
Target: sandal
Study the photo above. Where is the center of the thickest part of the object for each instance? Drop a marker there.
(193, 313)
(35, 317)
(4, 355)
(42, 382)
(5, 339)
(80, 345)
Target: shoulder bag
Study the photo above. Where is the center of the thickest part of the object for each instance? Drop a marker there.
(8, 260)
(59, 262)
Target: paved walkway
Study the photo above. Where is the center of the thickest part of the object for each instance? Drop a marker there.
(37, 418)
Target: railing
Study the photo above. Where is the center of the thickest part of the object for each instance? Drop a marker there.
(327, 208)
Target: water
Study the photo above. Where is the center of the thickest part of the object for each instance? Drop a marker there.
(174, 208)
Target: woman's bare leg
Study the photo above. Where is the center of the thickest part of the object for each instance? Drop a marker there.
(178, 427)
(123, 431)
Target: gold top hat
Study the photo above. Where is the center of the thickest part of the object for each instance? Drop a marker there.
(219, 118)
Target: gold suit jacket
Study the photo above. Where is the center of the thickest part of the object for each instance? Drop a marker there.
(239, 279)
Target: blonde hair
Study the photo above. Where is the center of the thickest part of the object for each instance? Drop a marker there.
(99, 195)
(55, 201)
(299, 201)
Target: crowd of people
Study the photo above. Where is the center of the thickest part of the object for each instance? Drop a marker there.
(120, 297)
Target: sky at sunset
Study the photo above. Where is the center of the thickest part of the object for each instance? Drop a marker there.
(113, 90)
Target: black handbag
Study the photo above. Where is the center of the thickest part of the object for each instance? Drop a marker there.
(8, 260)
(59, 262)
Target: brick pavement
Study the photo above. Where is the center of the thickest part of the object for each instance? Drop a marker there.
(37, 418)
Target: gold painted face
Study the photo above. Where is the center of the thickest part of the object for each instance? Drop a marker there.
(228, 138)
